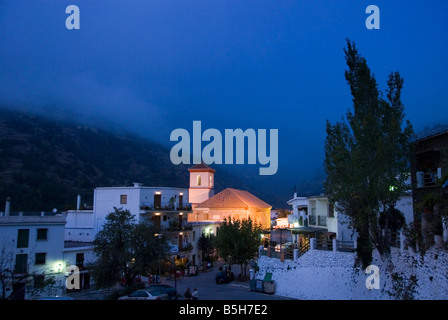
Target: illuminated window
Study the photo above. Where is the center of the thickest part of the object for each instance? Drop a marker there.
(199, 180)
(123, 199)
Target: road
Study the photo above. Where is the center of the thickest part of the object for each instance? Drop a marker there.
(209, 290)
(206, 285)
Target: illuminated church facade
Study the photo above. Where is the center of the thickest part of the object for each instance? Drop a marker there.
(208, 207)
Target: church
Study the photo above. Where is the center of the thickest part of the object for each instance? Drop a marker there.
(212, 208)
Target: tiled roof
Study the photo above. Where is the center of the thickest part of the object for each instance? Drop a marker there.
(233, 198)
(202, 167)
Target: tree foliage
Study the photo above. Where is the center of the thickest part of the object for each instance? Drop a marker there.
(206, 243)
(238, 240)
(368, 153)
(125, 249)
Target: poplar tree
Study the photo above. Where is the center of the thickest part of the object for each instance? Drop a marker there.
(367, 155)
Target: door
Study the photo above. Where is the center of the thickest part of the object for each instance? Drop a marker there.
(157, 222)
(157, 201)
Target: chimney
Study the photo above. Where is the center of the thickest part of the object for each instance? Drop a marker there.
(78, 202)
(7, 206)
(137, 184)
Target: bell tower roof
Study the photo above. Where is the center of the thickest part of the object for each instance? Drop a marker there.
(201, 167)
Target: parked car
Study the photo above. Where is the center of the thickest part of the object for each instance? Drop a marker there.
(224, 277)
(56, 298)
(148, 294)
(164, 288)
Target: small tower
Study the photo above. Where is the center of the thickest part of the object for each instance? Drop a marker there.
(201, 184)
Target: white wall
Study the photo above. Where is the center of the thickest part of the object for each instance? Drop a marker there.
(53, 246)
(325, 275)
(404, 204)
(105, 199)
(198, 229)
(70, 255)
(80, 226)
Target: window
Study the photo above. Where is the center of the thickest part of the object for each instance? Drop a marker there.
(157, 201)
(312, 217)
(42, 234)
(164, 217)
(198, 180)
(21, 263)
(181, 200)
(40, 258)
(79, 260)
(23, 237)
(123, 199)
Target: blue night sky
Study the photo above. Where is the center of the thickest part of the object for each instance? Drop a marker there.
(156, 65)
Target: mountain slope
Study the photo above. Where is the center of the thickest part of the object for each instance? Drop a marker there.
(45, 163)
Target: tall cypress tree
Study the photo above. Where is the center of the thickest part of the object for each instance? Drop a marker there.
(366, 155)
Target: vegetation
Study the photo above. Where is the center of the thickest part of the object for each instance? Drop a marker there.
(366, 155)
(206, 243)
(126, 249)
(403, 288)
(283, 213)
(237, 241)
(45, 164)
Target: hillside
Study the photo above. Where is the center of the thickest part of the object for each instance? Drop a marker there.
(45, 163)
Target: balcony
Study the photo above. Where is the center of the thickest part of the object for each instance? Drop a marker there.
(176, 226)
(322, 221)
(164, 208)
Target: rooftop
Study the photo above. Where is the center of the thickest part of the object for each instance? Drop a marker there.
(202, 167)
(234, 198)
(35, 218)
(429, 133)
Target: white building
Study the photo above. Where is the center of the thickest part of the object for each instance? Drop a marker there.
(316, 214)
(165, 208)
(80, 226)
(199, 228)
(322, 214)
(162, 207)
(161, 204)
(299, 210)
(32, 247)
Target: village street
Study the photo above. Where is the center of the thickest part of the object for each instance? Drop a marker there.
(209, 290)
(206, 285)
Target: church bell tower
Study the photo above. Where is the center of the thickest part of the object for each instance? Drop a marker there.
(201, 184)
